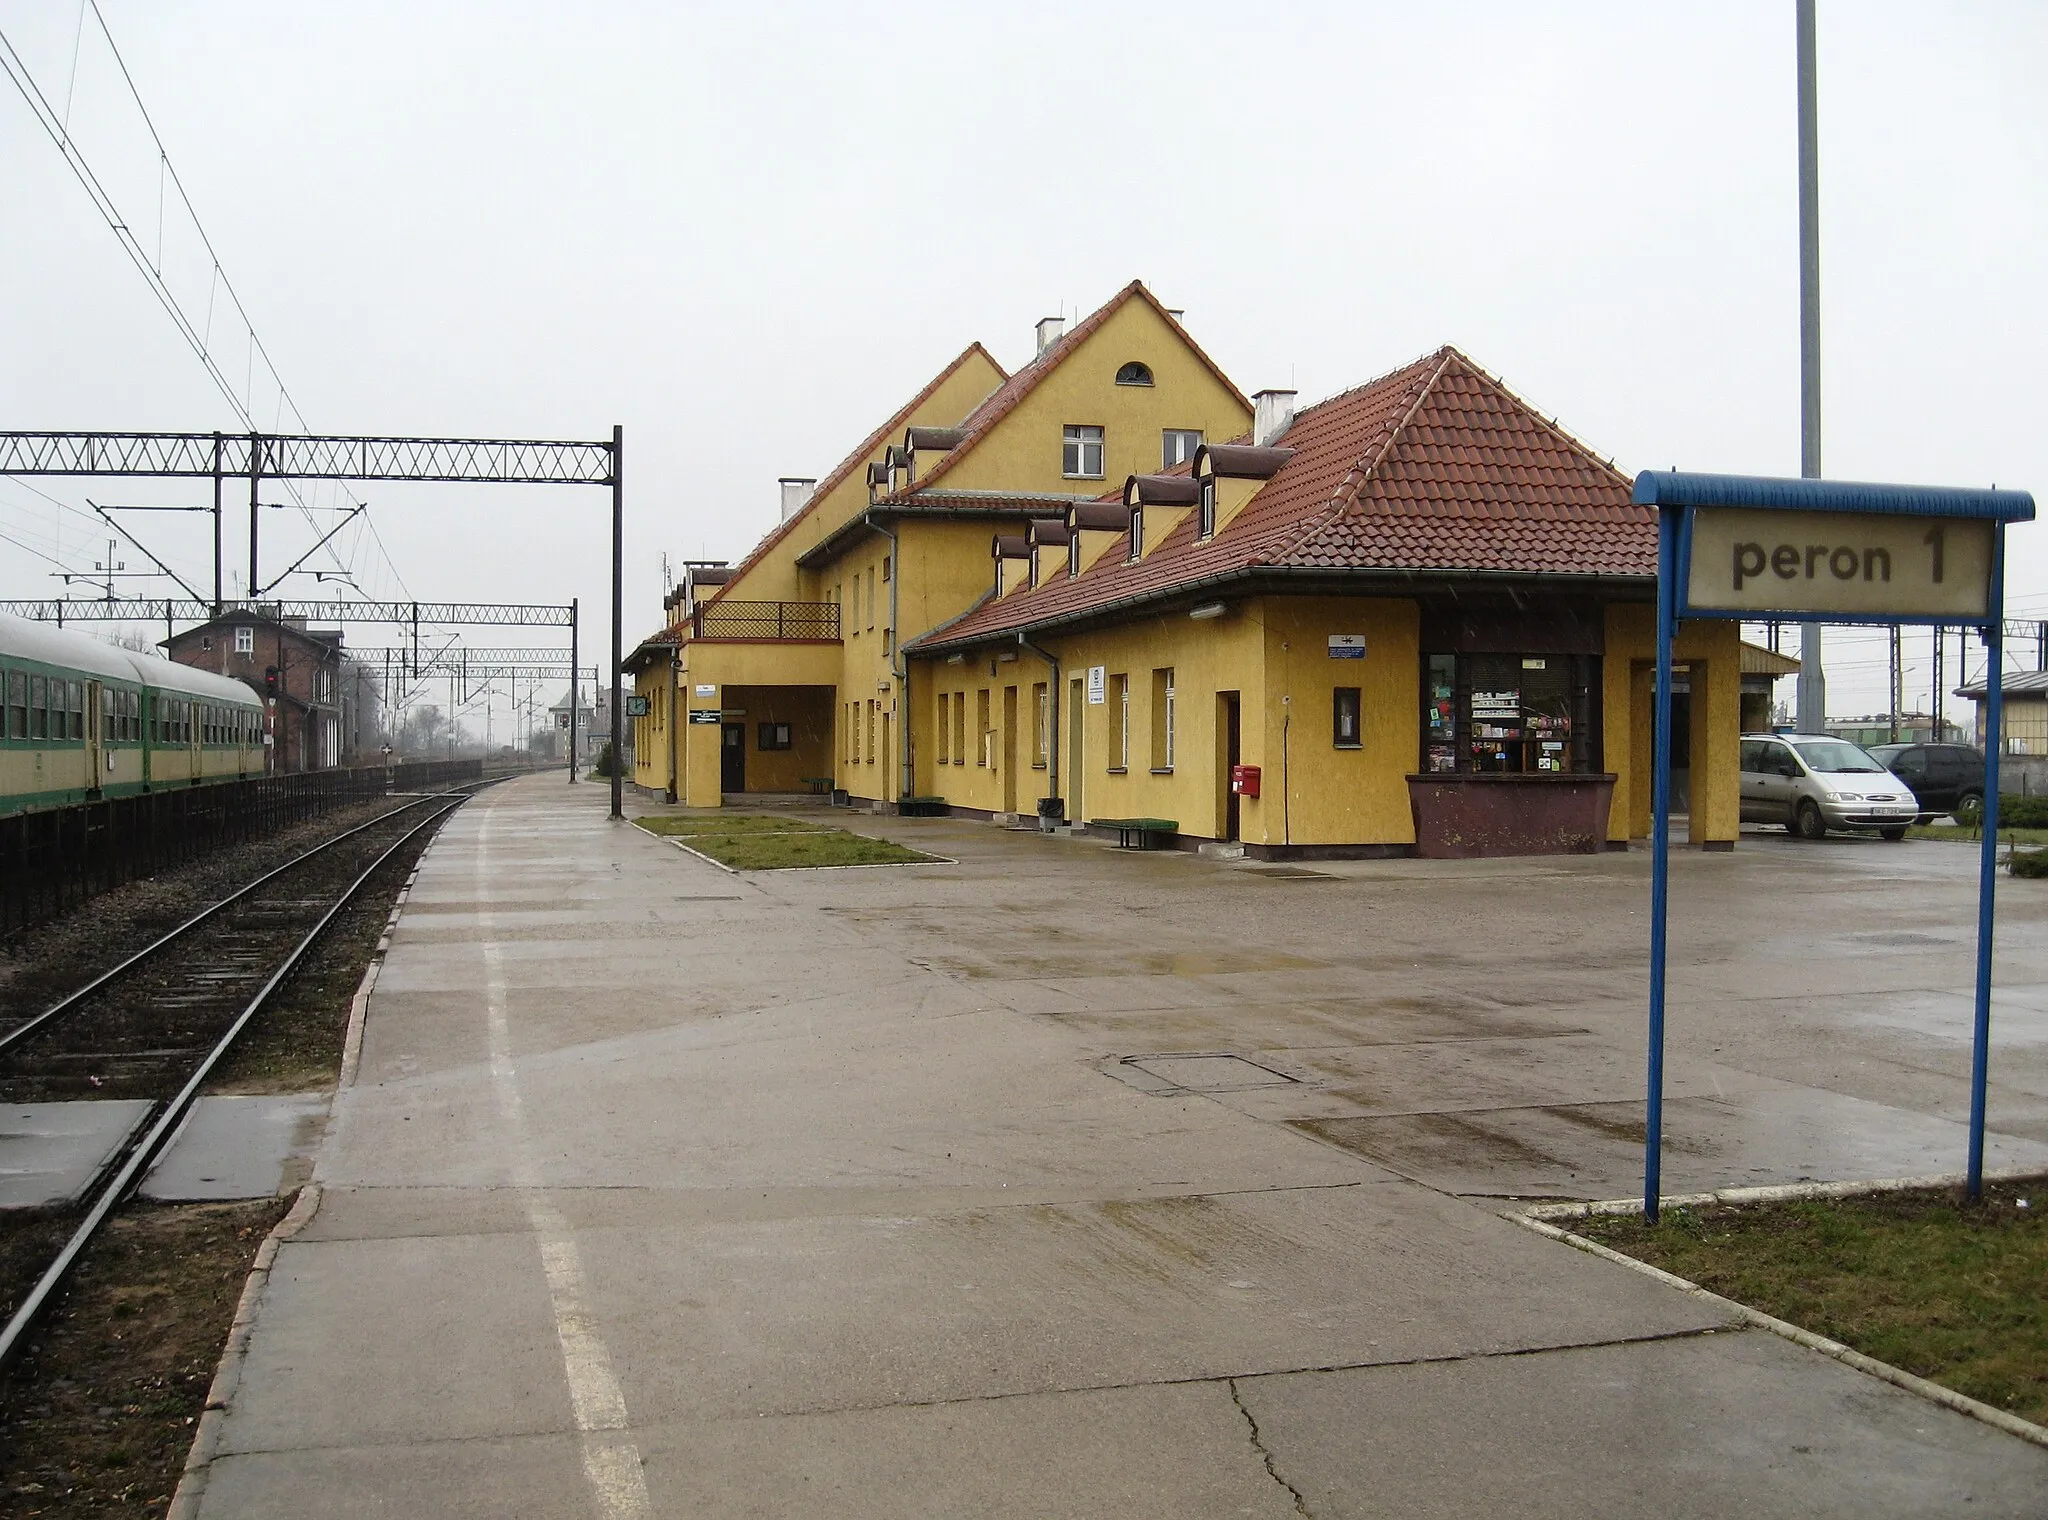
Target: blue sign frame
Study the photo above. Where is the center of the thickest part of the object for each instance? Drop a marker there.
(1677, 496)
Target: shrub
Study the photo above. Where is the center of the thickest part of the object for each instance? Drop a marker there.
(2022, 812)
(602, 766)
(2028, 862)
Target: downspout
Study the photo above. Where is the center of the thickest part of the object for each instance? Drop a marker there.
(675, 664)
(1053, 698)
(899, 668)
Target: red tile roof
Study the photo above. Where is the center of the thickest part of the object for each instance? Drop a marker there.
(1006, 396)
(837, 475)
(1437, 467)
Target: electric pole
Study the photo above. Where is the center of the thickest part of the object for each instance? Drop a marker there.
(1813, 703)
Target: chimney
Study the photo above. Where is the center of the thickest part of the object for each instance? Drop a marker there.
(1272, 415)
(796, 491)
(1050, 331)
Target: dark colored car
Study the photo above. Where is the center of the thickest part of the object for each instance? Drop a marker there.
(1945, 778)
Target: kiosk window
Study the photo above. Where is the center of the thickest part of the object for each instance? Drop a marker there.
(1534, 714)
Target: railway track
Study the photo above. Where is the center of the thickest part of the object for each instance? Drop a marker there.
(156, 1026)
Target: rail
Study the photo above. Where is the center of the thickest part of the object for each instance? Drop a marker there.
(52, 861)
(766, 620)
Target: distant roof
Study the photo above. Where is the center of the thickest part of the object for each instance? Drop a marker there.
(2017, 683)
(1760, 661)
(1436, 469)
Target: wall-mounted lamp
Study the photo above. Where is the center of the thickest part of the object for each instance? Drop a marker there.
(1208, 610)
(956, 659)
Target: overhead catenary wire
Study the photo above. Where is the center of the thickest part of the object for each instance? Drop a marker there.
(57, 127)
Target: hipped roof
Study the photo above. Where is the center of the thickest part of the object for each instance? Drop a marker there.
(1436, 469)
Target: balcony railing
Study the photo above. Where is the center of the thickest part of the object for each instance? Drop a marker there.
(766, 620)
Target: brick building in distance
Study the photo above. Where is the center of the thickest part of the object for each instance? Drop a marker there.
(295, 669)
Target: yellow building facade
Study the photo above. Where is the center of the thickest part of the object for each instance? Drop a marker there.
(1417, 618)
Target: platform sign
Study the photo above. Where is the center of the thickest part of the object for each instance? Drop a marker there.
(706, 715)
(1742, 546)
(1347, 646)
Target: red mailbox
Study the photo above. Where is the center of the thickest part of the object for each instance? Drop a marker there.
(1244, 780)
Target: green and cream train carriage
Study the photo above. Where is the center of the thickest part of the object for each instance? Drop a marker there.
(81, 719)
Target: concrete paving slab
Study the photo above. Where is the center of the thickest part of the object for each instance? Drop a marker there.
(1113, 1454)
(1595, 1150)
(1698, 1429)
(50, 1152)
(532, 1477)
(241, 1147)
(421, 1339)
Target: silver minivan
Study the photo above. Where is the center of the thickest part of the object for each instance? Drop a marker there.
(1811, 783)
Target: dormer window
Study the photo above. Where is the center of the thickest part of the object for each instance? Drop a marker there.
(1033, 580)
(1137, 533)
(1073, 556)
(1206, 522)
(1134, 373)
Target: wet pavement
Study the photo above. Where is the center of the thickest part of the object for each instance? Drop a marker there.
(1070, 1181)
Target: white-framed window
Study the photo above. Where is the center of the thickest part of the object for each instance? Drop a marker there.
(1081, 452)
(1206, 526)
(1123, 722)
(1162, 719)
(1073, 554)
(1137, 533)
(245, 639)
(1178, 445)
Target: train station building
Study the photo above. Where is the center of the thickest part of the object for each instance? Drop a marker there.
(1417, 617)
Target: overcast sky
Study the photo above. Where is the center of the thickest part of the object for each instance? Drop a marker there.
(747, 233)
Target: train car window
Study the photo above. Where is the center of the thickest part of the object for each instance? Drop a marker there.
(38, 707)
(76, 707)
(17, 705)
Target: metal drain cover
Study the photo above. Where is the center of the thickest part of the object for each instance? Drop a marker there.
(1290, 873)
(1196, 1072)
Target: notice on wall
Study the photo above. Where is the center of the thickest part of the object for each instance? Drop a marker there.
(1848, 563)
(1098, 685)
(705, 691)
(705, 715)
(1347, 646)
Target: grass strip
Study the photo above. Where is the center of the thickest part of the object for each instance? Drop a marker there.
(1963, 834)
(1952, 1291)
(783, 852)
(708, 825)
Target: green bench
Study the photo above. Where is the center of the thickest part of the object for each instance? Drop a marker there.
(1146, 832)
(922, 807)
(821, 786)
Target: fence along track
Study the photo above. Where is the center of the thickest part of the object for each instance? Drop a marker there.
(125, 1169)
(52, 861)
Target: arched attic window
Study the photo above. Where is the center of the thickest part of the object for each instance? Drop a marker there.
(1134, 373)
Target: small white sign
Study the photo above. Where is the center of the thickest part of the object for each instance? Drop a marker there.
(1098, 685)
(705, 691)
(1347, 646)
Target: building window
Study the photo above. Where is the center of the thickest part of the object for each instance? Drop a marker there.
(1137, 533)
(1081, 452)
(960, 728)
(981, 729)
(885, 568)
(1178, 445)
(1041, 705)
(1073, 554)
(777, 736)
(1134, 373)
(942, 749)
(1205, 526)
(1121, 695)
(872, 706)
(245, 639)
(1344, 707)
(1162, 719)
(1031, 575)
(871, 598)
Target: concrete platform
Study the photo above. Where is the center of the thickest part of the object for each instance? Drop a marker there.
(241, 1147)
(50, 1152)
(663, 1190)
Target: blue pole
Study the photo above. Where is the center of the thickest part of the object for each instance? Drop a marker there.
(1987, 860)
(1660, 850)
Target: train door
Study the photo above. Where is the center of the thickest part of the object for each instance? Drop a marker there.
(95, 739)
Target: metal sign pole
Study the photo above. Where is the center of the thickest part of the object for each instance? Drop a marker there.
(1987, 861)
(1660, 850)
